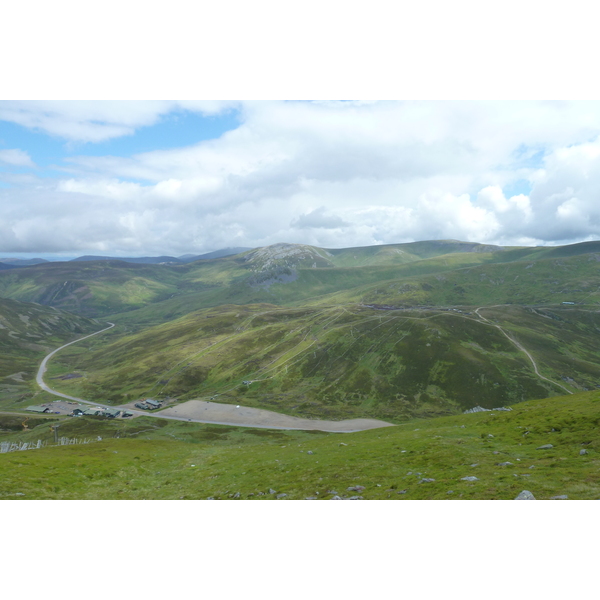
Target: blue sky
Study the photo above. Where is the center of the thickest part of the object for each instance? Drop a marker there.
(142, 178)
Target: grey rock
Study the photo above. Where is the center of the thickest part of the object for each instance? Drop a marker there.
(272, 491)
(237, 495)
(210, 498)
(311, 498)
(525, 495)
(582, 452)
(495, 452)
(563, 497)
(504, 464)
(356, 488)
(355, 498)
(545, 447)
(427, 480)
(402, 491)
(332, 492)
(476, 409)
(279, 496)
(310, 452)
(450, 492)
(469, 478)
(475, 465)
(490, 435)
(335, 498)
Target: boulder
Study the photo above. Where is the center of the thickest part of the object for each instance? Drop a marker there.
(525, 495)
(356, 488)
(582, 452)
(504, 464)
(545, 447)
(427, 480)
(469, 478)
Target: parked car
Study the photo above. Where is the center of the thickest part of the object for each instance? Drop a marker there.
(142, 406)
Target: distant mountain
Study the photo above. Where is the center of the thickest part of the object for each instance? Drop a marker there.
(145, 260)
(21, 262)
(186, 258)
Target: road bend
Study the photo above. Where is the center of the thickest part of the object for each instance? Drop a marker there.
(40, 374)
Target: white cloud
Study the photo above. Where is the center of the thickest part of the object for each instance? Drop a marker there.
(97, 120)
(327, 173)
(16, 158)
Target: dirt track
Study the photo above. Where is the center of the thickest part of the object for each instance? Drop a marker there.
(229, 414)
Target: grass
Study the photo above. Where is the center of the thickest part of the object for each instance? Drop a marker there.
(166, 460)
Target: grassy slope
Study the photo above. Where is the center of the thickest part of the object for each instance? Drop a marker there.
(169, 460)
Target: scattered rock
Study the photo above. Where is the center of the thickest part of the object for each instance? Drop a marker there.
(532, 467)
(310, 452)
(333, 492)
(525, 495)
(335, 498)
(311, 498)
(355, 498)
(237, 495)
(495, 452)
(280, 496)
(563, 497)
(402, 491)
(427, 480)
(490, 435)
(356, 488)
(476, 409)
(469, 478)
(475, 465)
(272, 491)
(582, 452)
(342, 444)
(504, 464)
(545, 447)
(450, 492)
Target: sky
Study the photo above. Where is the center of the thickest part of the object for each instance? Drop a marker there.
(142, 178)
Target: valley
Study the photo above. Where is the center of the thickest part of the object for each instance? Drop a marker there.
(295, 337)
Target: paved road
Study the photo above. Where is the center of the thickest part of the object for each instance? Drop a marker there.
(221, 414)
(40, 374)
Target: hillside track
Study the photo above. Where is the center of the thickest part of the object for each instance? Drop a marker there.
(521, 348)
(220, 414)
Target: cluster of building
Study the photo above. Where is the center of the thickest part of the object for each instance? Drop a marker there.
(110, 413)
(148, 404)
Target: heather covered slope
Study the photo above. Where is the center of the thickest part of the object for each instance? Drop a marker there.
(344, 361)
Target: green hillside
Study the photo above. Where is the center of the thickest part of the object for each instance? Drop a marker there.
(28, 332)
(344, 361)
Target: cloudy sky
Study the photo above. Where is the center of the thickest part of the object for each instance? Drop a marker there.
(146, 178)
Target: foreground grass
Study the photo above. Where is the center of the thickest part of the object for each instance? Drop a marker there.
(156, 459)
